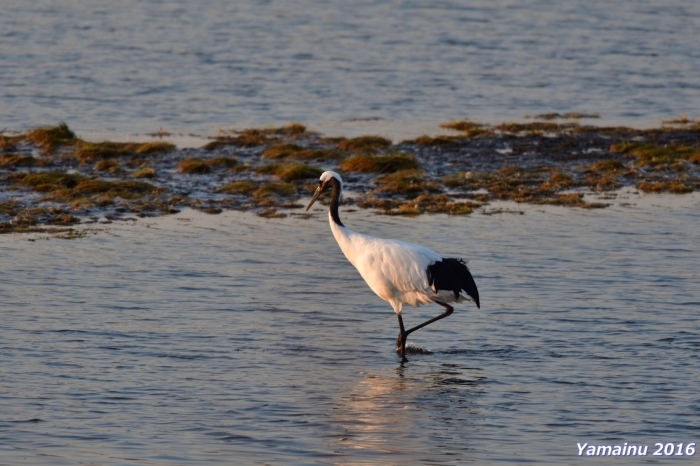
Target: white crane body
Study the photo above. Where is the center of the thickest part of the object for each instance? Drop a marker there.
(393, 269)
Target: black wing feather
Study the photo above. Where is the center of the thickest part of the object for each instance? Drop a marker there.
(453, 275)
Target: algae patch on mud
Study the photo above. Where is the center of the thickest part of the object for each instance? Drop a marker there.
(407, 182)
(255, 137)
(49, 138)
(80, 190)
(50, 176)
(16, 161)
(104, 150)
(467, 128)
(652, 155)
(379, 163)
(364, 144)
(238, 187)
(297, 152)
(290, 172)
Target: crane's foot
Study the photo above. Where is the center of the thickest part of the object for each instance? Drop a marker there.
(401, 344)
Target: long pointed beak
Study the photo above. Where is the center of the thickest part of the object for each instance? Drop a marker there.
(313, 199)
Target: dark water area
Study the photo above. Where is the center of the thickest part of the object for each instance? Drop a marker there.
(193, 67)
(229, 339)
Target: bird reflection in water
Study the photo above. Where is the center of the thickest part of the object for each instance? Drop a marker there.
(416, 410)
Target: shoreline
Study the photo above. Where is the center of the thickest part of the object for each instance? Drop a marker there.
(52, 178)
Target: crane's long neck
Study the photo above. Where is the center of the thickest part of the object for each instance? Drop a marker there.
(348, 240)
(335, 201)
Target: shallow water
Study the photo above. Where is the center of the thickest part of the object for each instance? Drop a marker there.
(196, 339)
(191, 67)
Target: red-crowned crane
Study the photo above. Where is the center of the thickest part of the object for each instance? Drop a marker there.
(398, 272)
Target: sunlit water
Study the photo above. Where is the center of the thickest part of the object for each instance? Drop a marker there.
(196, 339)
(110, 68)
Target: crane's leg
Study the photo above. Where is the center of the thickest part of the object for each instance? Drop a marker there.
(401, 340)
(403, 335)
(448, 310)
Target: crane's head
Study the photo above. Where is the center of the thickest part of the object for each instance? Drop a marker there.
(326, 182)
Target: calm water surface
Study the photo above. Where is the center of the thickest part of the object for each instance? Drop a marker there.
(214, 340)
(197, 339)
(136, 65)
